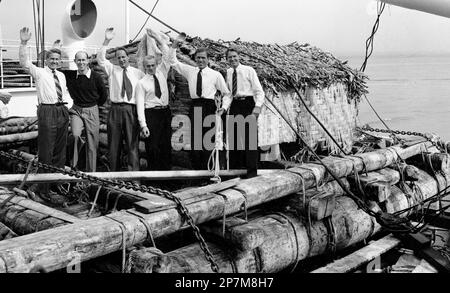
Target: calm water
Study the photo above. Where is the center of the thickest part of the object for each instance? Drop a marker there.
(409, 92)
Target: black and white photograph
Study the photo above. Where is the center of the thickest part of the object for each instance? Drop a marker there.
(225, 144)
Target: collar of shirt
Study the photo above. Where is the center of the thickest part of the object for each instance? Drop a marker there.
(50, 70)
(151, 75)
(88, 73)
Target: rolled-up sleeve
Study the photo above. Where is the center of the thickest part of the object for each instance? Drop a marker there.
(257, 89)
(26, 63)
(102, 61)
(140, 104)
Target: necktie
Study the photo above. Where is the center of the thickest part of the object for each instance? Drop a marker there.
(199, 83)
(58, 87)
(157, 87)
(234, 90)
(126, 86)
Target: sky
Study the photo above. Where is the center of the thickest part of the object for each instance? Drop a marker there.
(337, 26)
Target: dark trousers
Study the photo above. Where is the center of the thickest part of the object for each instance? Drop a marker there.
(199, 153)
(158, 145)
(244, 143)
(123, 125)
(53, 125)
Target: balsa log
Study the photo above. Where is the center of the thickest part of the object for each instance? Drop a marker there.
(23, 121)
(432, 162)
(54, 249)
(25, 216)
(350, 226)
(18, 137)
(411, 194)
(275, 242)
(16, 129)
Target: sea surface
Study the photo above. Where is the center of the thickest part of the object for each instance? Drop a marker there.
(409, 92)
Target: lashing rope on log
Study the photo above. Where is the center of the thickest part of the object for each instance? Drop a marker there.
(214, 158)
(183, 211)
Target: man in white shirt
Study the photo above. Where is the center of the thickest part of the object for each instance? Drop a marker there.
(122, 120)
(204, 83)
(154, 115)
(247, 98)
(54, 100)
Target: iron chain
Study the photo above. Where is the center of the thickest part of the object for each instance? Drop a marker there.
(438, 144)
(133, 186)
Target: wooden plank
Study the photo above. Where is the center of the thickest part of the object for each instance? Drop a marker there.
(37, 207)
(363, 256)
(10, 179)
(158, 203)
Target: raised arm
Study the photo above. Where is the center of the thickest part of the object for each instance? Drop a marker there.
(101, 56)
(163, 46)
(182, 68)
(24, 58)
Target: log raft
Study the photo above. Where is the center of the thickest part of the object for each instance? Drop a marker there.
(277, 241)
(54, 249)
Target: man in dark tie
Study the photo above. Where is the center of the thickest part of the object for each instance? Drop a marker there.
(204, 83)
(246, 100)
(54, 100)
(122, 120)
(154, 115)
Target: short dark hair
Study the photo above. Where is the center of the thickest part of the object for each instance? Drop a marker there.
(82, 52)
(53, 51)
(201, 50)
(122, 49)
(229, 50)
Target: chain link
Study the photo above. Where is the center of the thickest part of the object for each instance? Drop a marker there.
(438, 144)
(133, 186)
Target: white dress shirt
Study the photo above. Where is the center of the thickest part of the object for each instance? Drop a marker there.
(212, 81)
(45, 82)
(248, 85)
(145, 92)
(88, 73)
(115, 74)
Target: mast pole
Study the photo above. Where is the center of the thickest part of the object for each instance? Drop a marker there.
(127, 21)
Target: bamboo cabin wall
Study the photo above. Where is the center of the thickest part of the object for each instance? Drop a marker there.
(331, 105)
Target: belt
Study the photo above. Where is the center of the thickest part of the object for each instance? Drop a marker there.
(123, 104)
(158, 108)
(55, 104)
(242, 98)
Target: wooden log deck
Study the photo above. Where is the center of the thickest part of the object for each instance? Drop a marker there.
(53, 249)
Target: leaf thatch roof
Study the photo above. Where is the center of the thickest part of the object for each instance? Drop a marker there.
(305, 64)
